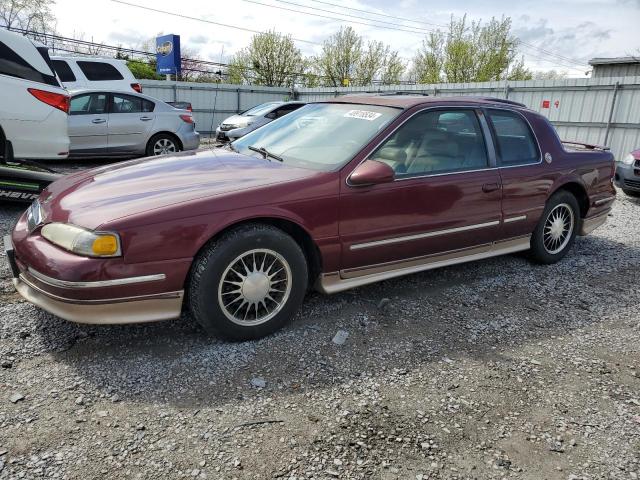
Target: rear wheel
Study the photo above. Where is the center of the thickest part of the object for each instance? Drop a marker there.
(162, 144)
(631, 193)
(248, 283)
(556, 231)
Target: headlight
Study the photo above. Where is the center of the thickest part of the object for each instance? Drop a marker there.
(81, 241)
(628, 160)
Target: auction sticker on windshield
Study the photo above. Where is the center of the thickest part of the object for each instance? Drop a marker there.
(362, 115)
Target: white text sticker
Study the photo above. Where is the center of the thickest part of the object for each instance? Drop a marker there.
(362, 115)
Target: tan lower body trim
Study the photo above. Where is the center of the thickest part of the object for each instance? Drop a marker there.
(590, 224)
(132, 310)
(352, 278)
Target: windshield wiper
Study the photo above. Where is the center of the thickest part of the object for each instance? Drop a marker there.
(267, 154)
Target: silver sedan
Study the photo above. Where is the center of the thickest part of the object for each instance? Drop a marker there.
(110, 123)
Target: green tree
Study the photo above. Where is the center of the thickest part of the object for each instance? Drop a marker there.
(270, 59)
(474, 52)
(143, 70)
(34, 15)
(345, 60)
(393, 69)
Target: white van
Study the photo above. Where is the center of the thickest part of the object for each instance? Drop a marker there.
(34, 107)
(95, 73)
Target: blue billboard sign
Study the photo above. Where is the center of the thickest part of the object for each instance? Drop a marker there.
(168, 54)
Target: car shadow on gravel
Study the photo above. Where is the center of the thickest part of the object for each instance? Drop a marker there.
(471, 310)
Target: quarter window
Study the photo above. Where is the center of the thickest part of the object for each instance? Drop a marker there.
(433, 142)
(515, 143)
(97, 71)
(89, 104)
(64, 71)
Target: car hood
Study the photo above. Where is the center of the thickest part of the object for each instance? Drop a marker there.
(95, 197)
(240, 120)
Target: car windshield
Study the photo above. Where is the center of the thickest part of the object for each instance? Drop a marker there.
(260, 109)
(320, 136)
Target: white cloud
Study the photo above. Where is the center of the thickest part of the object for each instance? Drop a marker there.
(572, 28)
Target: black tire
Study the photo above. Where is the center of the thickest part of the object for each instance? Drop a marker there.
(218, 261)
(631, 193)
(162, 137)
(542, 248)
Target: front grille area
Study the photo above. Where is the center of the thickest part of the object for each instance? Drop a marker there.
(632, 183)
(637, 163)
(225, 127)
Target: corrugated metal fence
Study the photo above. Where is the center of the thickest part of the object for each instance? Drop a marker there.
(604, 111)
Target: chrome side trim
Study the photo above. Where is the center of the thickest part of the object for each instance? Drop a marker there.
(346, 279)
(54, 282)
(519, 218)
(602, 201)
(106, 301)
(418, 236)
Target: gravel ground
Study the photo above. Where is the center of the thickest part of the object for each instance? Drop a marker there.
(495, 369)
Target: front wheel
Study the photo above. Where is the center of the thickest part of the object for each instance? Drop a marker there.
(556, 231)
(248, 283)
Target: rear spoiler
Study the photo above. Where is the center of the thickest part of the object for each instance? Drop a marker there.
(585, 146)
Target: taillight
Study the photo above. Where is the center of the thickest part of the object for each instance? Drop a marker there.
(137, 87)
(187, 118)
(56, 100)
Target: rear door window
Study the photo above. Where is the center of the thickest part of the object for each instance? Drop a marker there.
(99, 71)
(64, 71)
(125, 104)
(515, 143)
(14, 65)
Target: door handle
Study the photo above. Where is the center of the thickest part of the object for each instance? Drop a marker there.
(145, 119)
(98, 120)
(490, 187)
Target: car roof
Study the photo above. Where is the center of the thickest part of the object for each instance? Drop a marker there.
(408, 101)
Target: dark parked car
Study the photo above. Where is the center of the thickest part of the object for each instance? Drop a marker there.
(334, 195)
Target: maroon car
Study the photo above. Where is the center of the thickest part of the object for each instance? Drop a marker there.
(336, 195)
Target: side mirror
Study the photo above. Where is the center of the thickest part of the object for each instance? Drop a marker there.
(371, 172)
(271, 115)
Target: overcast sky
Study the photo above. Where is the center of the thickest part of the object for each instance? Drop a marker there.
(574, 29)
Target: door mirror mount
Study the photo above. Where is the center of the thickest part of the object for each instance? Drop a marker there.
(371, 172)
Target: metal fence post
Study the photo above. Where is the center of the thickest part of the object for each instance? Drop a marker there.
(237, 100)
(175, 92)
(506, 91)
(613, 106)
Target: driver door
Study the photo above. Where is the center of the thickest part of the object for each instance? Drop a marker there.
(446, 195)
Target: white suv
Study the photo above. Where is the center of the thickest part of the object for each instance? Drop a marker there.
(34, 107)
(95, 73)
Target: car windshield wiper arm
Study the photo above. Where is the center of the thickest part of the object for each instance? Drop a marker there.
(267, 154)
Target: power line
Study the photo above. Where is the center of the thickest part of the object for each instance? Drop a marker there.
(187, 17)
(380, 14)
(328, 17)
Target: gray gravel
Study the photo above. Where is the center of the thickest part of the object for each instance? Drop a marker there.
(495, 369)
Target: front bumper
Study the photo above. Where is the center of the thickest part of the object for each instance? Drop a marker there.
(627, 177)
(112, 301)
(112, 311)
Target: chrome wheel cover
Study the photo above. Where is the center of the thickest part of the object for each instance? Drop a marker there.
(164, 146)
(558, 228)
(254, 287)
